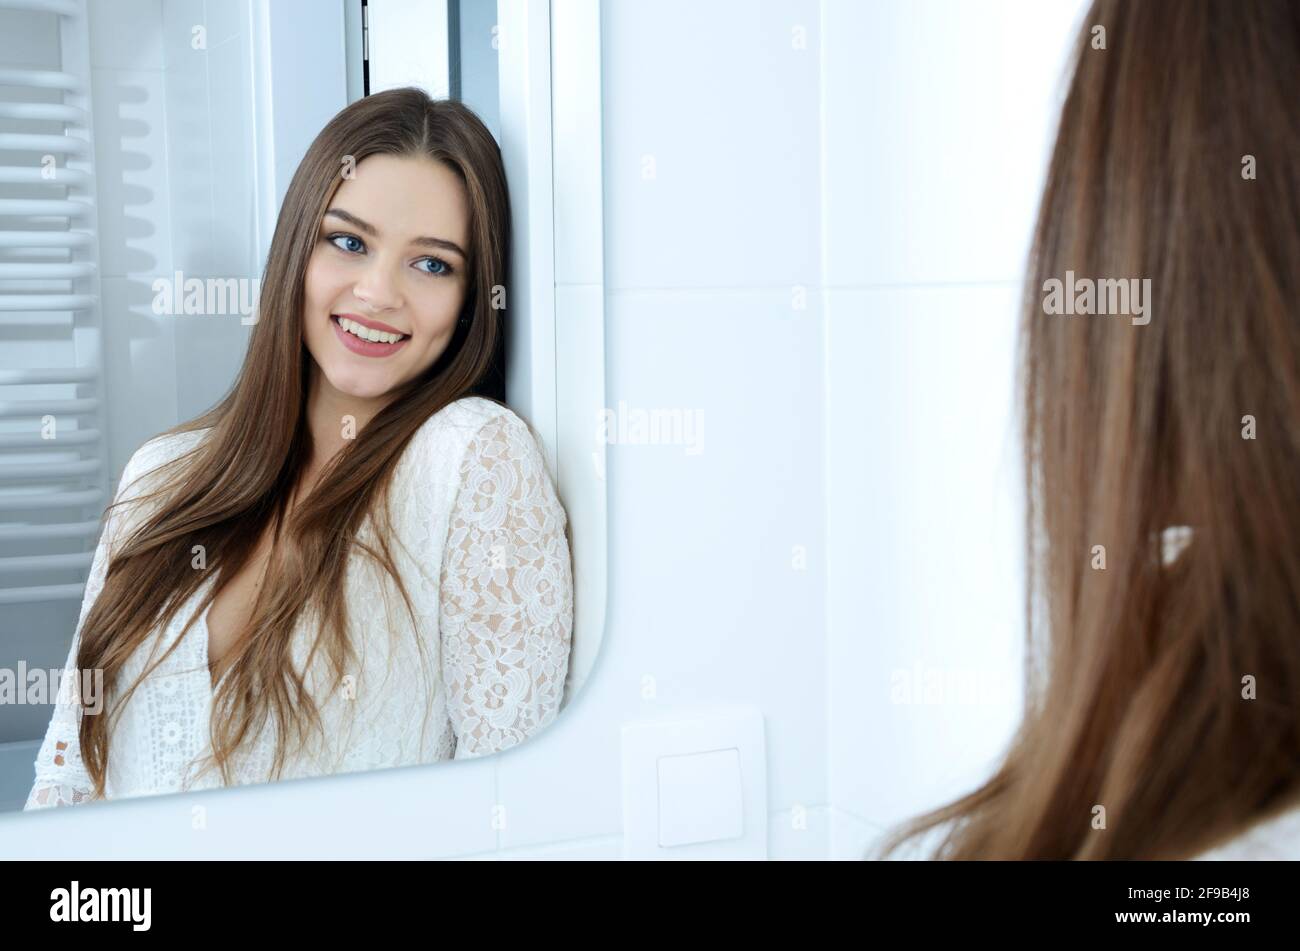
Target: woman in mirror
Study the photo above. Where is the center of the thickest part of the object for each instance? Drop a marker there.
(1162, 713)
(355, 560)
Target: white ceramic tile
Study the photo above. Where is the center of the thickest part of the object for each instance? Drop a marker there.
(705, 603)
(802, 834)
(126, 34)
(854, 838)
(233, 160)
(717, 592)
(225, 19)
(209, 351)
(181, 20)
(850, 836)
(131, 176)
(140, 366)
(189, 165)
(719, 100)
(601, 848)
(939, 115)
(925, 542)
(419, 812)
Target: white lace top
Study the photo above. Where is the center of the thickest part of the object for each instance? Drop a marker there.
(482, 550)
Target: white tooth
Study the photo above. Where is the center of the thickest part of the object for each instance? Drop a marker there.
(365, 333)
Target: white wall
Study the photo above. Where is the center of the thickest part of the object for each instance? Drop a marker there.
(705, 262)
(175, 163)
(939, 115)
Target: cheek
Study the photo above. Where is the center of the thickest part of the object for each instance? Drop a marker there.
(320, 289)
(438, 310)
(321, 280)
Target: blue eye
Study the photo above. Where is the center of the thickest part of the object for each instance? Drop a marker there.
(445, 267)
(334, 239)
(440, 267)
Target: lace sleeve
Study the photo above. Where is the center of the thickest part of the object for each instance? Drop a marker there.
(506, 614)
(61, 777)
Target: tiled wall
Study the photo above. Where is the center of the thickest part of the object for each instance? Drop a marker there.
(938, 119)
(173, 129)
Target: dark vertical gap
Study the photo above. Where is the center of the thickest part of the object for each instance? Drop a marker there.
(453, 49)
(365, 48)
(493, 383)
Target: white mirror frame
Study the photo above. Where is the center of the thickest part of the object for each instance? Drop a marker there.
(551, 143)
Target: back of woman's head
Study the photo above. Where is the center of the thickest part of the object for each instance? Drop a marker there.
(1161, 390)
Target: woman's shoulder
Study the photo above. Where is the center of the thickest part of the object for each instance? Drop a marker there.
(158, 451)
(476, 420)
(460, 444)
(1272, 838)
(468, 415)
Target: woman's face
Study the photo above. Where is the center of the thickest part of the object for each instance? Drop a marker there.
(390, 256)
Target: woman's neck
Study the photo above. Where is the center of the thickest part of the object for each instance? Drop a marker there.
(333, 419)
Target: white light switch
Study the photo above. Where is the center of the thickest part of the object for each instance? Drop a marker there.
(695, 785)
(700, 798)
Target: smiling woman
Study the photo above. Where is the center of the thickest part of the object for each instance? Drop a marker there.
(355, 282)
(353, 561)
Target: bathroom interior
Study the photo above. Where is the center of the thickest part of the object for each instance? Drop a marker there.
(730, 212)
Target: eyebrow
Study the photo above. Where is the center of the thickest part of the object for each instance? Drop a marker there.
(373, 231)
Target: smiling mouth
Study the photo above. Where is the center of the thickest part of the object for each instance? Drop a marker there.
(362, 332)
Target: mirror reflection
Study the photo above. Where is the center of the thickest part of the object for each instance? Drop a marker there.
(268, 511)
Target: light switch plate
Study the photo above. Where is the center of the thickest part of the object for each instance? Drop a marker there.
(700, 798)
(695, 786)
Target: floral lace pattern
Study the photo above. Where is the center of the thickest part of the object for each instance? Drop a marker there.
(487, 562)
(507, 596)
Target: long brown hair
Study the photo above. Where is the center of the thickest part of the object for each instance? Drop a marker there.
(1162, 711)
(236, 481)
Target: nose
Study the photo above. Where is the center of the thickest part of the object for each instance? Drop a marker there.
(377, 287)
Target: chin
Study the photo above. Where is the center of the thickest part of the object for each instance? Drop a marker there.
(362, 387)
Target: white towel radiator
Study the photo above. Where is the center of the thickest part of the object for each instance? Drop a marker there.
(50, 488)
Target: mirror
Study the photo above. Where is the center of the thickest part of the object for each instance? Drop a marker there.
(146, 151)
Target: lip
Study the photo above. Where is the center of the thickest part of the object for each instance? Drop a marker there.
(372, 324)
(365, 348)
